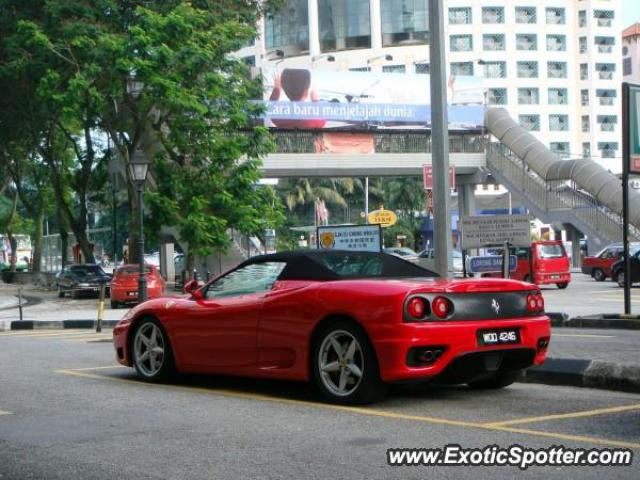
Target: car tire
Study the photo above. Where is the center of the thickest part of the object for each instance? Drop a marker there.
(562, 285)
(60, 292)
(114, 305)
(151, 353)
(75, 294)
(599, 275)
(620, 279)
(350, 376)
(498, 380)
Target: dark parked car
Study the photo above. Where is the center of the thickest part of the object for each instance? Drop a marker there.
(82, 279)
(617, 270)
(599, 266)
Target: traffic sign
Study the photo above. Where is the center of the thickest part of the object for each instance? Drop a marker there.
(490, 264)
(427, 177)
(484, 230)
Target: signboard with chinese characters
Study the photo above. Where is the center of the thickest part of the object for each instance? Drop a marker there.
(363, 238)
(485, 230)
(427, 177)
(382, 217)
(634, 129)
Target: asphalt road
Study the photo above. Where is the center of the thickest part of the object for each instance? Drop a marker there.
(67, 411)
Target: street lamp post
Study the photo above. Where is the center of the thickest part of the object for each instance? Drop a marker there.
(138, 167)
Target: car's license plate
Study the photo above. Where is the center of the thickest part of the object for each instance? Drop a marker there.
(499, 337)
(132, 294)
(555, 277)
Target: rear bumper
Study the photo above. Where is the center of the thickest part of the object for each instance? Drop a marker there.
(459, 339)
(121, 295)
(552, 278)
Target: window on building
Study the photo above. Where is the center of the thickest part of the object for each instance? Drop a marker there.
(558, 96)
(584, 71)
(558, 123)
(528, 96)
(585, 122)
(560, 148)
(525, 14)
(461, 68)
(586, 149)
(460, 16)
(582, 18)
(394, 68)
(556, 43)
(627, 66)
(526, 41)
(530, 122)
(605, 44)
(606, 96)
(582, 45)
(584, 97)
(604, 18)
(556, 16)
(497, 96)
(492, 14)
(493, 42)
(288, 28)
(461, 43)
(527, 69)
(403, 23)
(495, 69)
(344, 25)
(605, 70)
(422, 68)
(607, 122)
(250, 60)
(557, 69)
(608, 149)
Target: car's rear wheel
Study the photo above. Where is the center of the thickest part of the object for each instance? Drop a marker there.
(498, 380)
(152, 356)
(562, 285)
(114, 305)
(345, 367)
(620, 279)
(598, 275)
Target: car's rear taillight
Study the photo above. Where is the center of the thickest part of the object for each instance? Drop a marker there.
(417, 308)
(535, 302)
(441, 307)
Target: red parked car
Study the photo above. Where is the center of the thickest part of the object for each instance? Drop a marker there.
(124, 285)
(546, 262)
(599, 266)
(350, 322)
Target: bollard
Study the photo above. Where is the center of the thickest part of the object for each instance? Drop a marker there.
(20, 302)
(100, 308)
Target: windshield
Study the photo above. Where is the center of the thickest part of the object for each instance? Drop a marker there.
(87, 270)
(551, 251)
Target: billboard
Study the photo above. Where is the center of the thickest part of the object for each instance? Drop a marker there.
(366, 238)
(307, 98)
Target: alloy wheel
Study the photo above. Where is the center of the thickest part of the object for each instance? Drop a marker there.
(149, 349)
(341, 363)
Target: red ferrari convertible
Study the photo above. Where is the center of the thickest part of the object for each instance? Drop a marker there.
(350, 322)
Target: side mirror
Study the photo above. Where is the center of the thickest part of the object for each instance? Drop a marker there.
(191, 288)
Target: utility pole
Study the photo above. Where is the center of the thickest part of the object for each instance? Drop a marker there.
(442, 242)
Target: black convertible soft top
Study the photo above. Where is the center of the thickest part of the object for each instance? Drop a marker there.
(340, 265)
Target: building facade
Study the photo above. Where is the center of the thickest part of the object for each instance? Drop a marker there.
(631, 54)
(556, 65)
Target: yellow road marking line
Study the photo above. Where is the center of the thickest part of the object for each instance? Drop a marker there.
(2, 412)
(581, 335)
(105, 367)
(355, 410)
(562, 416)
(36, 333)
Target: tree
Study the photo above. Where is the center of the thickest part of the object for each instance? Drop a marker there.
(152, 76)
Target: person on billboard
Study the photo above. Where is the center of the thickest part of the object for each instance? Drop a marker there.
(296, 84)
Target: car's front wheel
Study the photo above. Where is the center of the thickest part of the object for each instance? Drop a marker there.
(152, 357)
(498, 380)
(562, 285)
(345, 367)
(599, 275)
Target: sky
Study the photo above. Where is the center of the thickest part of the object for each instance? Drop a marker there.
(630, 12)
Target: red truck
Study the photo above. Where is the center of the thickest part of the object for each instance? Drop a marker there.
(545, 262)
